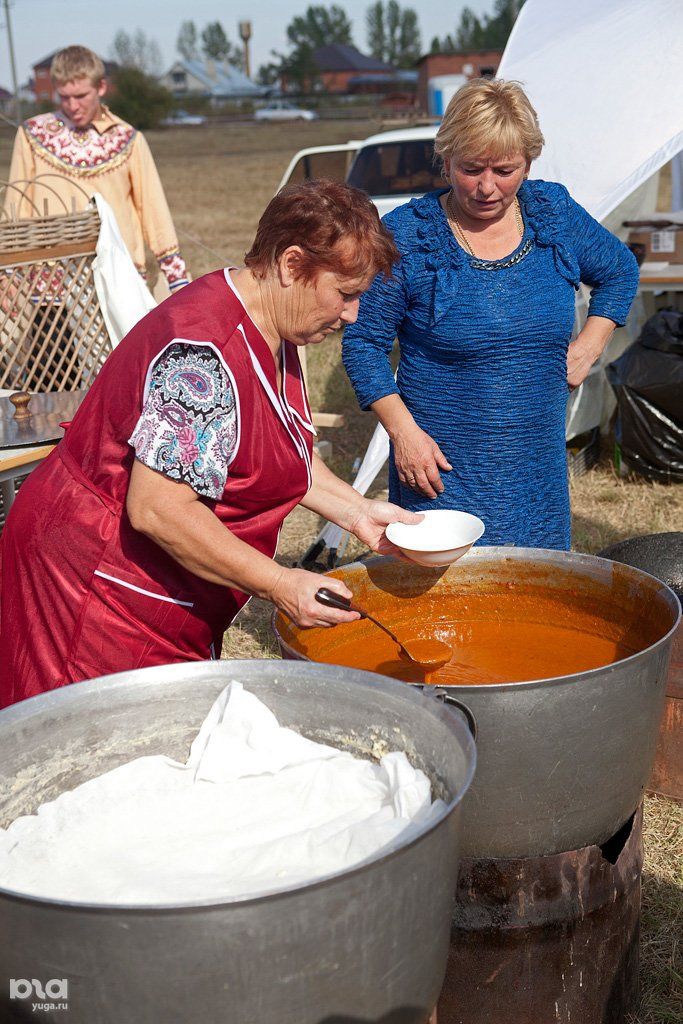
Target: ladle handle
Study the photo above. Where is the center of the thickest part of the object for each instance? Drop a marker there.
(333, 600)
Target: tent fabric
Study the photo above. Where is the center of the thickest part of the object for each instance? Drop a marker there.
(617, 117)
(677, 184)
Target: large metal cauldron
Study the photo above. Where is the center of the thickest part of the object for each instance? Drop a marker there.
(369, 944)
(562, 763)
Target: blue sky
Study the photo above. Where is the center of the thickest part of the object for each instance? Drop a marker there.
(40, 26)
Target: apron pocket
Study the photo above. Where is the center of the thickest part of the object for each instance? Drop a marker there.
(129, 622)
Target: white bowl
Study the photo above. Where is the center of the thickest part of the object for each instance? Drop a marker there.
(442, 537)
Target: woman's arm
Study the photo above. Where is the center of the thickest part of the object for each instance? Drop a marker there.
(611, 270)
(339, 503)
(366, 349)
(417, 456)
(587, 348)
(172, 474)
(171, 514)
(367, 344)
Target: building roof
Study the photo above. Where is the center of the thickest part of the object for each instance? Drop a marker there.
(109, 65)
(386, 77)
(460, 53)
(222, 80)
(5, 94)
(340, 57)
(46, 61)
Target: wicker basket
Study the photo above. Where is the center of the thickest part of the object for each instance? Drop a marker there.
(52, 333)
(27, 235)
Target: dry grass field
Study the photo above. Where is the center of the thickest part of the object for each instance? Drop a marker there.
(217, 182)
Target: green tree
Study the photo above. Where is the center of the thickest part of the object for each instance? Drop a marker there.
(393, 33)
(137, 50)
(376, 33)
(320, 26)
(186, 43)
(268, 74)
(139, 99)
(490, 32)
(471, 32)
(299, 67)
(217, 46)
(500, 25)
(215, 43)
(409, 40)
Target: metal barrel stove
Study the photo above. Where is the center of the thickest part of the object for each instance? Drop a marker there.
(546, 921)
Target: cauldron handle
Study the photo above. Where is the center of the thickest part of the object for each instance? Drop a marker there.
(441, 694)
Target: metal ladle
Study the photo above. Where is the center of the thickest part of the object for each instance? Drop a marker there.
(428, 654)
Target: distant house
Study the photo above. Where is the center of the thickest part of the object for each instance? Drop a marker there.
(397, 88)
(338, 65)
(42, 86)
(215, 80)
(471, 64)
(27, 91)
(6, 101)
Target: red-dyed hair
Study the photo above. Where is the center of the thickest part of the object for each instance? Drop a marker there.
(322, 217)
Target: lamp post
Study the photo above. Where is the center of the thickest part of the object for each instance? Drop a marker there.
(245, 36)
(10, 43)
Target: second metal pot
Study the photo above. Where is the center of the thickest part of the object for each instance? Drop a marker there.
(564, 762)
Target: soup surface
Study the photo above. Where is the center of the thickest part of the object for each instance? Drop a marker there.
(494, 638)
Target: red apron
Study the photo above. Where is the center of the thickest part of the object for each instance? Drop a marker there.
(83, 593)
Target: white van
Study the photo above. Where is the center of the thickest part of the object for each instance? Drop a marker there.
(392, 167)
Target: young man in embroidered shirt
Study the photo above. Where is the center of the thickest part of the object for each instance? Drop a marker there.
(83, 146)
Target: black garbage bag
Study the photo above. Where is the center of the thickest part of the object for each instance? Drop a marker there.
(648, 383)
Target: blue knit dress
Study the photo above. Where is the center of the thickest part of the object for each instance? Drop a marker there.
(483, 347)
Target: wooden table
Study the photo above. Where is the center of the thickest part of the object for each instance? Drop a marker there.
(17, 462)
(664, 278)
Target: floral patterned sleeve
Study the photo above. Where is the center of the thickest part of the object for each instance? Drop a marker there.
(189, 426)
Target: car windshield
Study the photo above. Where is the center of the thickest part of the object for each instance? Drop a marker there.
(396, 168)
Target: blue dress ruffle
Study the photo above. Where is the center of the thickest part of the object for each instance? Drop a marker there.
(483, 355)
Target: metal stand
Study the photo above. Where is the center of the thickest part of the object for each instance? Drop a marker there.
(547, 940)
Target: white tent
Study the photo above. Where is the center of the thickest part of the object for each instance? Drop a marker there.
(606, 80)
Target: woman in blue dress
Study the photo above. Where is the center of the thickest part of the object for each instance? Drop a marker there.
(482, 304)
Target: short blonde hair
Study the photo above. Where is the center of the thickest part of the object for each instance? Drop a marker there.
(492, 117)
(76, 62)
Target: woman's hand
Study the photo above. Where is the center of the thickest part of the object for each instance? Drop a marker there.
(580, 358)
(373, 518)
(294, 593)
(418, 460)
(587, 348)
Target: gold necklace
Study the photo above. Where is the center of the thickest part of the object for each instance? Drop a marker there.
(450, 213)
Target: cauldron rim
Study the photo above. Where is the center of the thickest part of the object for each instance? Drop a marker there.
(117, 680)
(531, 554)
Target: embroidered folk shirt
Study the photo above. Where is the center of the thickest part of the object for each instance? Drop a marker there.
(108, 156)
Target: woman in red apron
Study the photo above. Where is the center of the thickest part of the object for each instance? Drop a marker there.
(145, 532)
